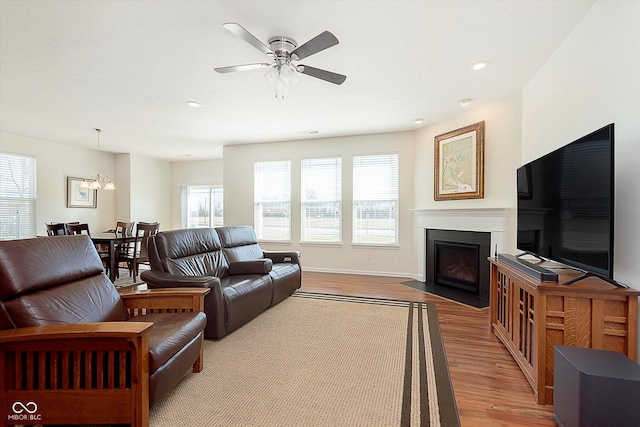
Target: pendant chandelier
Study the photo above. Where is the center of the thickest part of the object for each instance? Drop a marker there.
(97, 182)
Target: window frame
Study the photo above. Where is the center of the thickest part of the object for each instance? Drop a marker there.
(393, 202)
(283, 199)
(212, 188)
(336, 199)
(26, 204)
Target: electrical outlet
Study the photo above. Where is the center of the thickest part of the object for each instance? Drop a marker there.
(369, 257)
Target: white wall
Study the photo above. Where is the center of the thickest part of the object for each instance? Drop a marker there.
(197, 172)
(150, 183)
(54, 163)
(238, 199)
(502, 146)
(123, 188)
(591, 80)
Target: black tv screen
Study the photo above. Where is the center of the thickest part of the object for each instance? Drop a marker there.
(565, 204)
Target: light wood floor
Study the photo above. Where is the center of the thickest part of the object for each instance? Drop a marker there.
(490, 390)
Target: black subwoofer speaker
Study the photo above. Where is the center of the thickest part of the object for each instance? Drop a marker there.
(595, 388)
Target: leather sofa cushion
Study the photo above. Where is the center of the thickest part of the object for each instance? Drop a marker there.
(93, 299)
(245, 297)
(191, 252)
(31, 265)
(237, 235)
(170, 333)
(240, 243)
(258, 266)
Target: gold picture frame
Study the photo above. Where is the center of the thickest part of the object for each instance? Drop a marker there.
(459, 163)
(78, 197)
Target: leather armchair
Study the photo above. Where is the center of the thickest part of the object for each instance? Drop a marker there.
(78, 350)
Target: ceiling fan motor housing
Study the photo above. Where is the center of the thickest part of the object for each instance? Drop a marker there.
(282, 46)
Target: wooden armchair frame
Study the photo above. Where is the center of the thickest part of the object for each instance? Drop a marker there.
(86, 373)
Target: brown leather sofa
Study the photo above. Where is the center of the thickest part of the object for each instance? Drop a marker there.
(73, 350)
(244, 280)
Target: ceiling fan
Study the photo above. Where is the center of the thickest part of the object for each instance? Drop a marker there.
(283, 51)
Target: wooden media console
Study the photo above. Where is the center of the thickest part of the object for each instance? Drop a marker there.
(531, 317)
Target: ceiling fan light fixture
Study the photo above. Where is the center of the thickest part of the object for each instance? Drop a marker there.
(286, 73)
(273, 74)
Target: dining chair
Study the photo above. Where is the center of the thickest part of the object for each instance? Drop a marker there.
(139, 252)
(71, 222)
(77, 228)
(56, 229)
(125, 228)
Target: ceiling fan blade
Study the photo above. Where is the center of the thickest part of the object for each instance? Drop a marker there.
(320, 42)
(245, 35)
(322, 74)
(245, 67)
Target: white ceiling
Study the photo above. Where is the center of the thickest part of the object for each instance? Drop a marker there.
(128, 67)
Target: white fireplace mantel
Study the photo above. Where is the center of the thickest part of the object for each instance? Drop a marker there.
(491, 220)
(474, 219)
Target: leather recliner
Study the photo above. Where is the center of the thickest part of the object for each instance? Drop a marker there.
(79, 350)
(244, 280)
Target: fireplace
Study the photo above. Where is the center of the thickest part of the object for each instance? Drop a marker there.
(456, 264)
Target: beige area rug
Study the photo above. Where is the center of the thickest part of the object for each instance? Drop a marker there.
(321, 360)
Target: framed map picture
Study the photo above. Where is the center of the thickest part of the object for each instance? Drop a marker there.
(459, 164)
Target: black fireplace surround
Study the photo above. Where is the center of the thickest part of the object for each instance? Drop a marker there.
(457, 266)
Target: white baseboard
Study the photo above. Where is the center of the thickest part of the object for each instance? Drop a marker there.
(364, 273)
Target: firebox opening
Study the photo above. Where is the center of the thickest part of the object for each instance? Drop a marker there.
(457, 265)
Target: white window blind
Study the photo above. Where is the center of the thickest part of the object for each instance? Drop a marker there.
(272, 200)
(375, 199)
(205, 206)
(17, 196)
(321, 200)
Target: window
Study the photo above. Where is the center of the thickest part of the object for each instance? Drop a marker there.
(17, 196)
(272, 200)
(204, 206)
(375, 199)
(321, 199)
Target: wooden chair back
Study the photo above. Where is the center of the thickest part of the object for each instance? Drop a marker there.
(144, 230)
(56, 229)
(78, 229)
(124, 228)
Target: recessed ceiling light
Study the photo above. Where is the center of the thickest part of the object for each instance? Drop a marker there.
(418, 121)
(480, 65)
(465, 101)
(193, 104)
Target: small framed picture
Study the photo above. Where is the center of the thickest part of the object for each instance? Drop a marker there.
(80, 197)
(459, 164)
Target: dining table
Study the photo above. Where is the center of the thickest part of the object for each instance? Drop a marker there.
(112, 240)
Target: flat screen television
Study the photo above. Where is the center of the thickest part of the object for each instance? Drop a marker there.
(566, 201)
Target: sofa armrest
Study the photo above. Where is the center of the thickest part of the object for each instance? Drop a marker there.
(75, 331)
(160, 279)
(164, 300)
(214, 307)
(56, 362)
(292, 257)
(254, 266)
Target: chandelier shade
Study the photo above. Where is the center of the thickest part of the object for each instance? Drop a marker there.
(97, 182)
